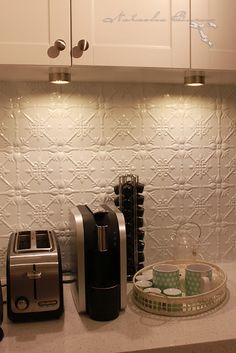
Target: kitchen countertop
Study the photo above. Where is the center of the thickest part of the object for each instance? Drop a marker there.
(133, 331)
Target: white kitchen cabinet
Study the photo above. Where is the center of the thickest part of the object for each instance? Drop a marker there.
(150, 33)
(123, 33)
(29, 29)
(213, 44)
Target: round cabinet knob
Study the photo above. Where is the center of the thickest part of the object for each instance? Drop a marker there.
(60, 44)
(22, 303)
(83, 44)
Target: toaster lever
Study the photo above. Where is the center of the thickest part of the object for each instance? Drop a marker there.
(34, 275)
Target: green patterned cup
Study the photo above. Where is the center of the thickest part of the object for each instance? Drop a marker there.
(165, 276)
(198, 278)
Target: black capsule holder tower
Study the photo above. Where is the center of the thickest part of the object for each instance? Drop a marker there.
(130, 201)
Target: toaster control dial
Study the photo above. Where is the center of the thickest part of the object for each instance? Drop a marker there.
(22, 303)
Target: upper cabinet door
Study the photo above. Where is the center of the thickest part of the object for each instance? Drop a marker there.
(29, 29)
(150, 33)
(213, 29)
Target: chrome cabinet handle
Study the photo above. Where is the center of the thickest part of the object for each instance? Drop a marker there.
(83, 44)
(60, 44)
(34, 275)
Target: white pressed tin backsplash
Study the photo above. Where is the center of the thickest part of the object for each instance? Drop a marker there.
(60, 146)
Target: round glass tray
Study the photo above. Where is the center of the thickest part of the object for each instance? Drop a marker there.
(185, 305)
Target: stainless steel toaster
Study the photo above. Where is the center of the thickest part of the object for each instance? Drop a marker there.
(34, 276)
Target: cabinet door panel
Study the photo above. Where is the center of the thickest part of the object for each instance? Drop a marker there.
(28, 28)
(154, 33)
(213, 44)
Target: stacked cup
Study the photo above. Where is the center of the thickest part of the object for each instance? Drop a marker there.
(198, 278)
(165, 276)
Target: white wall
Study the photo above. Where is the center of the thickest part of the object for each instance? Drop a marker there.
(60, 146)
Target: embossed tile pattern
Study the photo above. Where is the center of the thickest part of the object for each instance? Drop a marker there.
(60, 146)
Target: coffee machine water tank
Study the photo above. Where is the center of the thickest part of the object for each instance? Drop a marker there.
(99, 261)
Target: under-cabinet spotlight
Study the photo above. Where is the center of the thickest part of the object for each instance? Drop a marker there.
(194, 79)
(59, 78)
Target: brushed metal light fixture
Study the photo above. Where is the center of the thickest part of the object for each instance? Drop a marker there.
(194, 78)
(60, 77)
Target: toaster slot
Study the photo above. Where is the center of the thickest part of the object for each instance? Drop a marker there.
(33, 241)
(23, 241)
(43, 240)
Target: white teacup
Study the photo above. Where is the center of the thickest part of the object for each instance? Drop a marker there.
(198, 278)
(172, 293)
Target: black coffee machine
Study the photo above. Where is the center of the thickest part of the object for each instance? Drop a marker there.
(1, 312)
(99, 261)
